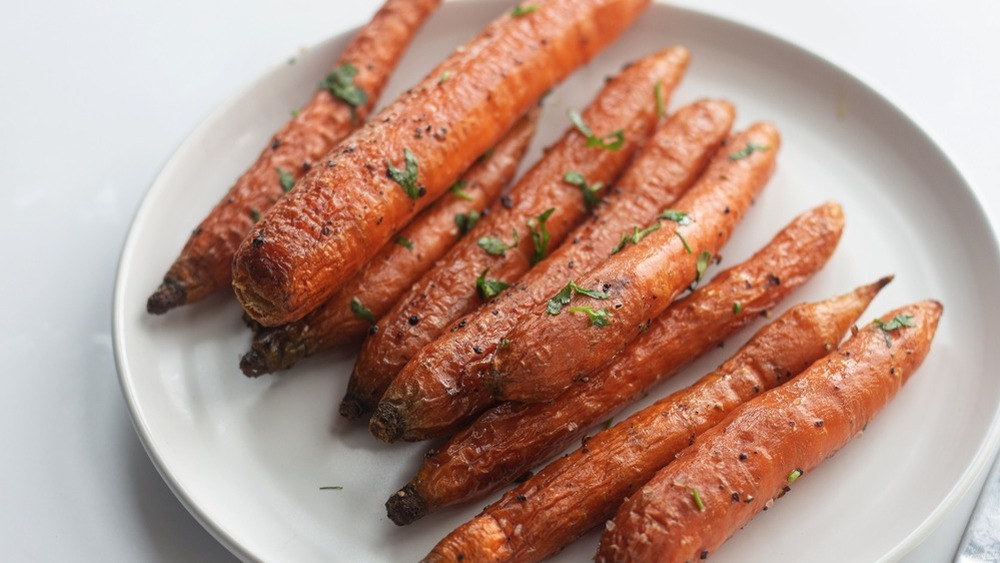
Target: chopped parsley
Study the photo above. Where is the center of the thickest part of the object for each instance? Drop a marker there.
(255, 215)
(561, 299)
(286, 179)
(611, 142)
(609, 422)
(489, 288)
(539, 235)
(748, 150)
(495, 246)
(295, 112)
(340, 84)
(458, 188)
(697, 500)
(737, 307)
(635, 237)
(598, 317)
(897, 322)
(658, 92)
(687, 247)
(406, 178)
(703, 259)
(590, 192)
(332, 488)
(465, 221)
(360, 311)
(521, 10)
(795, 474)
(682, 218)
(403, 241)
(444, 77)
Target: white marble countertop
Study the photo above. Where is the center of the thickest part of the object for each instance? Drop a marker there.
(95, 98)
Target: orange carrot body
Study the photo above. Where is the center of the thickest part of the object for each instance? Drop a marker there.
(442, 387)
(289, 264)
(204, 266)
(512, 438)
(755, 454)
(397, 266)
(543, 358)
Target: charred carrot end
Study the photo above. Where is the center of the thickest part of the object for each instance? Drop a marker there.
(387, 422)
(406, 506)
(761, 448)
(169, 295)
(274, 349)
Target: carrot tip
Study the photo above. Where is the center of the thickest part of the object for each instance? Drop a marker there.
(353, 406)
(253, 364)
(885, 281)
(166, 297)
(387, 422)
(406, 506)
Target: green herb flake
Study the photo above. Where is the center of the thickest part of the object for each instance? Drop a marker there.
(295, 112)
(255, 215)
(611, 142)
(682, 218)
(496, 246)
(465, 221)
(697, 500)
(403, 241)
(486, 155)
(444, 77)
(332, 488)
(406, 178)
(360, 311)
(561, 299)
(635, 237)
(598, 317)
(703, 259)
(522, 10)
(660, 105)
(687, 247)
(286, 179)
(458, 189)
(489, 288)
(795, 474)
(340, 84)
(609, 422)
(897, 322)
(737, 308)
(539, 235)
(591, 192)
(748, 150)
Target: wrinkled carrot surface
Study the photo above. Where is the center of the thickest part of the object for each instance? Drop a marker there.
(755, 454)
(311, 243)
(204, 265)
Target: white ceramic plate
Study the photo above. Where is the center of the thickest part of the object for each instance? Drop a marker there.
(248, 457)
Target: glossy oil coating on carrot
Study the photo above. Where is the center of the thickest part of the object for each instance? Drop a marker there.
(374, 290)
(442, 387)
(502, 246)
(581, 490)
(310, 244)
(205, 263)
(543, 356)
(754, 456)
(512, 438)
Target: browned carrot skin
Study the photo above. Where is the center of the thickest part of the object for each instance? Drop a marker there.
(289, 263)
(579, 491)
(396, 267)
(752, 457)
(205, 263)
(441, 389)
(449, 290)
(543, 357)
(510, 439)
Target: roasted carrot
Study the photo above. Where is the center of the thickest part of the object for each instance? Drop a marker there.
(441, 388)
(352, 311)
(755, 454)
(510, 439)
(579, 491)
(535, 216)
(543, 356)
(306, 248)
(346, 97)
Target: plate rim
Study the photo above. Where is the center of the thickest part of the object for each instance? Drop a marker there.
(989, 444)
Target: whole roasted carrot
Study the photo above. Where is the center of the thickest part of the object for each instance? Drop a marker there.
(352, 311)
(519, 230)
(306, 247)
(510, 439)
(346, 97)
(581, 490)
(441, 389)
(543, 356)
(755, 454)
